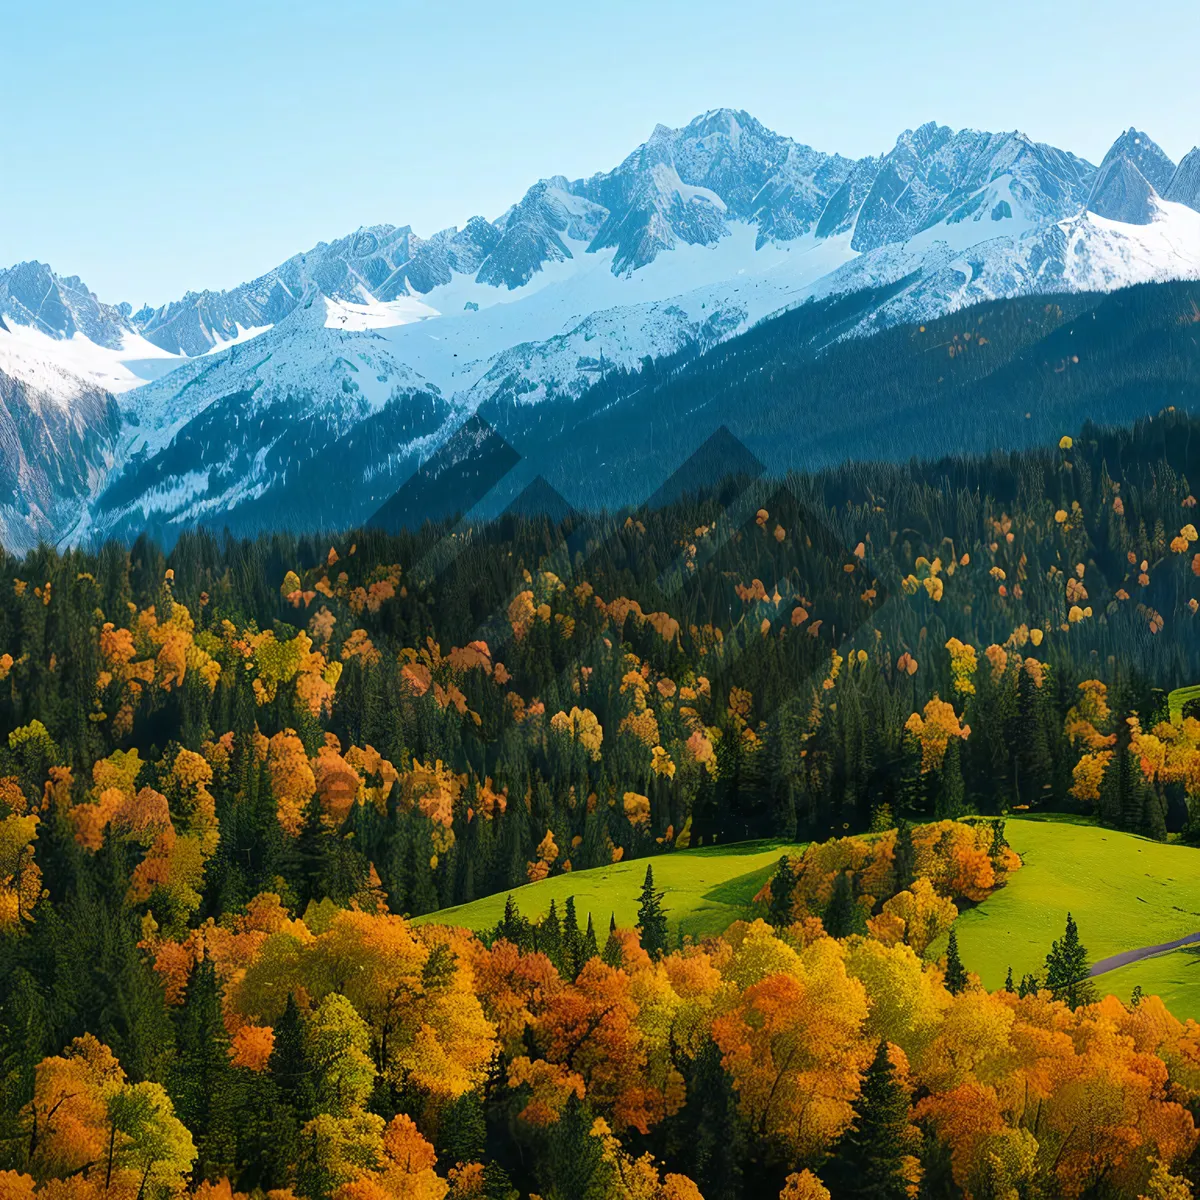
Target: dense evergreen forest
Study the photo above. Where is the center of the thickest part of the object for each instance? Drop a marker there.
(1012, 373)
(228, 775)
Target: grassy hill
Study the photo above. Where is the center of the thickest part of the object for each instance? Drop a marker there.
(706, 890)
(1124, 892)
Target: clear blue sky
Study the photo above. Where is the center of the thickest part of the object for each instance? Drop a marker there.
(156, 147)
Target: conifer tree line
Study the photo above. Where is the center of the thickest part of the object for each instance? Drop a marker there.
(448, 714)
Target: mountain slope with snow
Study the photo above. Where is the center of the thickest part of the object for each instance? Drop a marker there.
(381, 343)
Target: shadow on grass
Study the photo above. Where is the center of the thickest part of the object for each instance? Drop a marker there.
(740, 891)
(731, 849)
(1055, 818)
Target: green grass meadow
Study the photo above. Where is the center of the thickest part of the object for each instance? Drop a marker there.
(706, 890)
(1124, 892)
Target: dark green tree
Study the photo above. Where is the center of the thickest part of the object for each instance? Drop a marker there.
(512, 927)
(1067, 968)
(956, 973)
(904, 862)
(841, 913)
(290, 1065)
(652, 918)
(572, 940)
(589, 948)
(868, 1161)
(202, 1079)
(783, 882)
(462, 1131)
(613, 954)
(550, 939)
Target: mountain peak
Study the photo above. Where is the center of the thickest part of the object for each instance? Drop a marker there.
(1145, 154)
(57, 305)
(1184, 187)
(1135, 171)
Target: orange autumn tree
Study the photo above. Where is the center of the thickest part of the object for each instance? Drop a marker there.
(794, 1049)
(87, 1121)
(590, 1029)
(414, 988)
(1088, 727)
(933, 730)
(292, 780)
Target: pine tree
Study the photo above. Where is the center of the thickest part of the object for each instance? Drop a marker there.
(202, 1081)
(462, 1131)
(572, 940)
(1028, 986)
(496, 1183)
(950, 802)
(419, 880)
(868, 1163)
(1067, 968)
(589, 949)
(268, 1135)
(652, 918)
(840, 913)
(1008, 982)
(783, 884)
(512, 927)
(705, 1138)
(573, 1163)
(904, 860)
(956, 973)
(613, 954)
(550, 940)
(290, 1066)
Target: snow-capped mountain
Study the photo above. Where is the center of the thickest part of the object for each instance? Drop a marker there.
(1134, 173)
(58, 435)
(386, 342)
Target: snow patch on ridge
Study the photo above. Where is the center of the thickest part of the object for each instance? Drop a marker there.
(62, 368)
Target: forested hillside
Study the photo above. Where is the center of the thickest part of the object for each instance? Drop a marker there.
(805, 389)
(229, 774)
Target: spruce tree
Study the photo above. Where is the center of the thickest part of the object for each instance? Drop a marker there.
(496, 1183)
(550, 940)
(840, 913)
(512, 927)
(1067, 968)
(589, 949)
(573, 1163)
(783, 884)
(613, 954)
(956, 973)
(290, 1065)
(1008, 982)
(868, 1162)
(706, 1138)
(904, 860)
(950, 802)
(202, 1080)
(462, 1131)
(652, 918)
(572, 940)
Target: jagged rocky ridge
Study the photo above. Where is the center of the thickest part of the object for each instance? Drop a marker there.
(694, 238)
